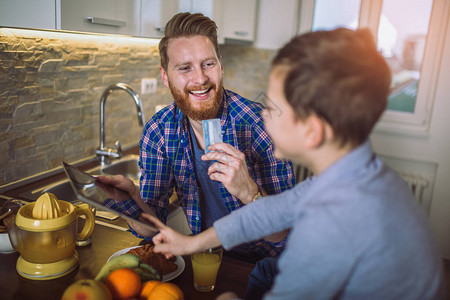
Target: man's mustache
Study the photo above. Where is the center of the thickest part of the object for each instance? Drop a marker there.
(200, 87)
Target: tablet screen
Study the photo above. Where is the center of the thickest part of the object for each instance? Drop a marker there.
(90, 190)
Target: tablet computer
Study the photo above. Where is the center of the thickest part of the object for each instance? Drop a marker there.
(90, 190)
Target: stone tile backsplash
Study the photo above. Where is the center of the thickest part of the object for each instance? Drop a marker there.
(50, 91)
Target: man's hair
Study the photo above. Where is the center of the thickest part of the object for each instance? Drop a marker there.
(340, 77)
(185, 25)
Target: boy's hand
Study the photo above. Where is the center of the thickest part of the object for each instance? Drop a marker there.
(168, 241)
(230, 168)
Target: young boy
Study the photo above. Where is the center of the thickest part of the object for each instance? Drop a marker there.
(357, 231)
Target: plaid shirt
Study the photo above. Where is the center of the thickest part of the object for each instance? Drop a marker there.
(167, 161)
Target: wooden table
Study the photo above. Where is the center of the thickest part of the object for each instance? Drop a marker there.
(233, 274)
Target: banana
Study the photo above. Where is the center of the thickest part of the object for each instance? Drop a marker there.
(126, 260)
(147, 272)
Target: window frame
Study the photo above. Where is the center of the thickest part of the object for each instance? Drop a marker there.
(417, 123)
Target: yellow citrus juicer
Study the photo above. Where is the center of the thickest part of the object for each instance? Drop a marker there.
(45, 234)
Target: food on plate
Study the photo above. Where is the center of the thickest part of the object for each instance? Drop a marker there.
(87, 289)
(131, 261)
(156, 260)
(124, 284)
(3, 221)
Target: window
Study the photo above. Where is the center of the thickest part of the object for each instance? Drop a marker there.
(409, 36)
(402, 33)
(330, 14)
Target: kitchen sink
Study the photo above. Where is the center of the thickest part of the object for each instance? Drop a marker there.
(63, 191)
(127, 166)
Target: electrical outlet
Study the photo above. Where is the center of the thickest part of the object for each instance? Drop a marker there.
(148, 85)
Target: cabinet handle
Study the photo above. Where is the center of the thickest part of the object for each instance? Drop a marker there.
(241, 33)
(159, 29)
(108, 22)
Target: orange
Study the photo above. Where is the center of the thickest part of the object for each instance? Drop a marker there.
(124, 283)
(147, 287)
(166, 291)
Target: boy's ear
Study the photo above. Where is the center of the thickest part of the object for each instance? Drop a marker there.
(164, 77)
(315, 132)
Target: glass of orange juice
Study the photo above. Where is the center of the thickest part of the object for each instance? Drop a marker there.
(205, 265)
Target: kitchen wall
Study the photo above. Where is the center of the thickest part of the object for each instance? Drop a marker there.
(50, 89)
(51, 84)
(246, 70)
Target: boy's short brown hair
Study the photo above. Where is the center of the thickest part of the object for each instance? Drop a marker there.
(339, 76)
(187, 24)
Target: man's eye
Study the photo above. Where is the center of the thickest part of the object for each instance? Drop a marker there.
(207, 65)
(184, 69)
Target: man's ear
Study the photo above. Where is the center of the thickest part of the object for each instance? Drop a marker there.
(164, 77)
(221, 67)
(315, 132)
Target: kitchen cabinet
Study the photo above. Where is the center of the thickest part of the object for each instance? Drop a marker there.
(101, 16)
(277, 23)
(23, 13)
(235, 19)
(239, 19)
(155, 14)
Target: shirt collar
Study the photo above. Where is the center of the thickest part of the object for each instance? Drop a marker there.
(356, 161)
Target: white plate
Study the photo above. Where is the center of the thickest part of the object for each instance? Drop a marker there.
(179, 261)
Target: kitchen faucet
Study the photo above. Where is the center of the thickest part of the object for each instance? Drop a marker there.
(104, 153)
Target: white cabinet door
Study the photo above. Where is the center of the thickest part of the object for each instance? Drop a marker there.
(155, 14)
(239, 19)
(277, 23)
(234, 19)
(101, 16)
(28, 13)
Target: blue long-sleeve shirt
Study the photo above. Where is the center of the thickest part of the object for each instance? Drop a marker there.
(357, 233)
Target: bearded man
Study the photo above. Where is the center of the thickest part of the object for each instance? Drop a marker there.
(172, 149)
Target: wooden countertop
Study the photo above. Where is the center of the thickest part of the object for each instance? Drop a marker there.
(233, 274)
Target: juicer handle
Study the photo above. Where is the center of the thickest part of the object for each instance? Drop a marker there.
(84, 210)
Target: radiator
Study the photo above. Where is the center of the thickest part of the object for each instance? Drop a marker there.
(416, 183)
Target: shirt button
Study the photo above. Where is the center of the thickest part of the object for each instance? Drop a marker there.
(197, 218)
(182, 141)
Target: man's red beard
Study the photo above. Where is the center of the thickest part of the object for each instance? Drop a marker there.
(208, 108)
